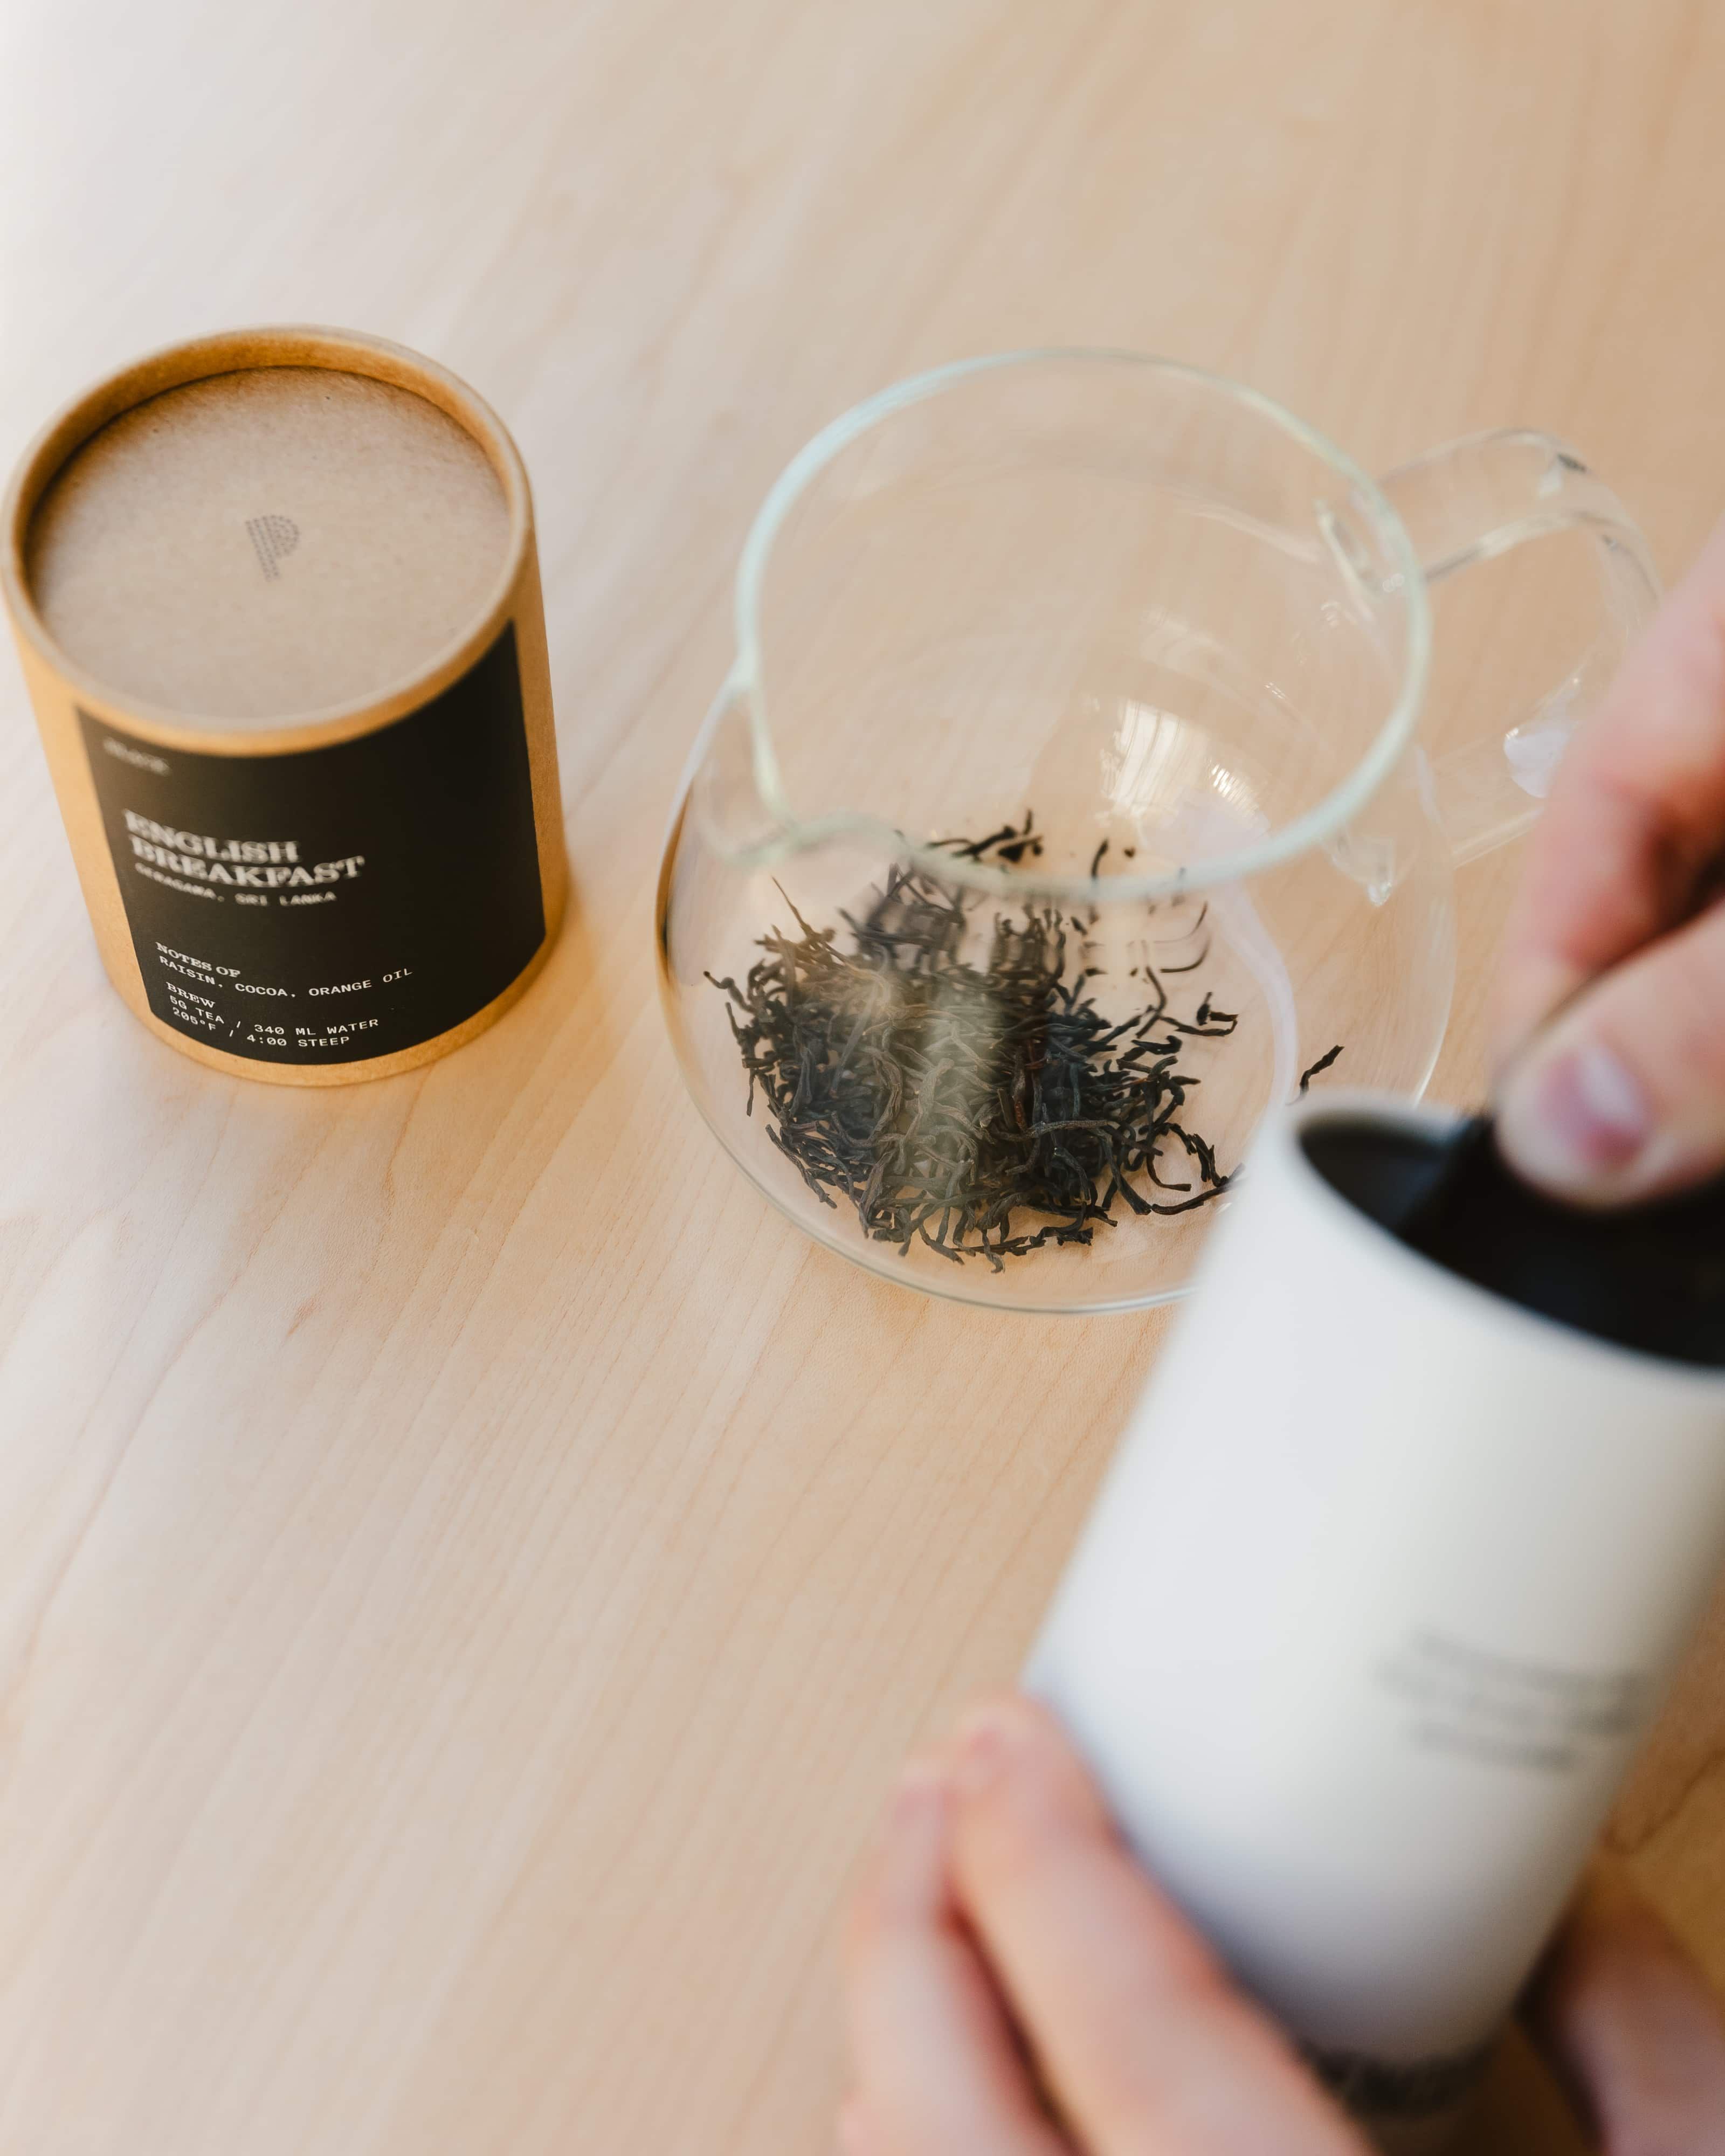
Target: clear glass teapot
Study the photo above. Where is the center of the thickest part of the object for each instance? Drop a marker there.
(1073, 797)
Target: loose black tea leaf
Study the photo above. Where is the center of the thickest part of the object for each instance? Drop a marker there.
(1321, 1064)
(982, 1109)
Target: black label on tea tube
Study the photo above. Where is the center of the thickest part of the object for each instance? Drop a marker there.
(335, 904)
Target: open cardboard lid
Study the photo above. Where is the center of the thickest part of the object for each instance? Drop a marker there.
(272, 527)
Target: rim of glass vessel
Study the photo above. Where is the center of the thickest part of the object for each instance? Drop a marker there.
(792, 834)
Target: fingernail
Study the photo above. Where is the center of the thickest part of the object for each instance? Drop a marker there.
(981, 1753)
(1576, 1121)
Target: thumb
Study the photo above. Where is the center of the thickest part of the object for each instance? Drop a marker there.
(1627, 2021)
(1622, 1096)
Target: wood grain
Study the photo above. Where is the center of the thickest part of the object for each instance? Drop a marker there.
(467, 1569)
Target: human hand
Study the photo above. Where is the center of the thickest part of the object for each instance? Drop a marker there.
(1609, 1018)
(1004, 1943)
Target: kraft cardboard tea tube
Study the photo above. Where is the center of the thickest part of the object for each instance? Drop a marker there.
(277, 598)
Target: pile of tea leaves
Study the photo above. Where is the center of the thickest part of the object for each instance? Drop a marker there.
(981, 1104)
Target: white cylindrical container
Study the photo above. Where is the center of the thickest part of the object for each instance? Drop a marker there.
(1377, 1601)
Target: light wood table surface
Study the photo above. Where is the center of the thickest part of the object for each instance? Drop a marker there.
(467, 1568)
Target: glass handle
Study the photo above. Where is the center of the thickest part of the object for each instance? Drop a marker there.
(1466, 504)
